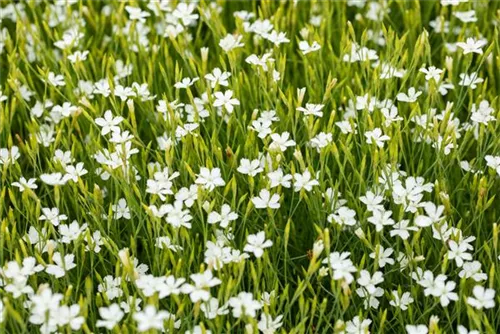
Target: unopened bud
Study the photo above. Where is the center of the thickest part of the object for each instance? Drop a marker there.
(323, 271)
(300, 94)
(204, 54)
(318, 248)
(449, 63)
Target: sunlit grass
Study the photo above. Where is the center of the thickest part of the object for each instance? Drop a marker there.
(240, 166)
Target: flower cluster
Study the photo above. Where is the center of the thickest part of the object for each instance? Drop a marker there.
(243, 167)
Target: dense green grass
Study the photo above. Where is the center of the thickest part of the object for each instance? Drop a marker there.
(127, 184)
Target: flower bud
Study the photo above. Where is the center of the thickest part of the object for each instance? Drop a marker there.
(323, 271)
(124, 258)
(300, 94)
(318, 248)
(204, 54)
(449, 63)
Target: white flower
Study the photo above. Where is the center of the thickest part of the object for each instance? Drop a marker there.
(186, 129)
(111, 286)
(410, 97)
(312, 109)
(226, 100)
(150, 318)
(64, 110)
(265, 200)
(143, 92)
(102, 87)
(483, 298)
(369, 282)
(256, 243)
(61, 265)
(231, 42)
(391, 115)
(401, 302)
(110, 316)
(304, 181)
(341, 265)
(359, 54)
(187, 195)
(71, 232)
(372, 201)
(260, 27)
(166, 243)
(75, 172)
(432, 73)
(177, 216)
(387, 71)
(416, 329)
(472, 270)
(218, 77)
(458, 251)
(263, 128)
(402, 229)
(444, 291)
(277, 178)
(444, 87)
(55, 80)
(185, 83)
(210, 178)
(201, 288)
(198, 330)
(184, 12)
(78, 56)
(211, 308)
(223, 218)
(321, 140)
(95, 242)
(69, 315)
(108, 123)
(244, 305)
(470, 81)
(262, 61)
(251, 168)
(281, 142)
(44, 306)
(131, 304)
(64, 158)
(343, 216)
(381, 218)
(452, 3)
(135, 13)
(462, 330)
(433, 215)
(358, 326)
(493, 162)
(276, 37)
(123, 92)
(346, 127)
(467, 16)
(483, 113)
(268, 325)
(9, 156)
(305, 48)
(121, 210)
(148, 284)
(24, 184)
(119, 137)
(472, 45)
(382, 256)
(376, 137)
(52, 215)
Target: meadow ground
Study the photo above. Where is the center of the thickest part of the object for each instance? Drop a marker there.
(250, 166)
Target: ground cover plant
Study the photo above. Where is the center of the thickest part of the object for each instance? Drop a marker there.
(249, 166)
